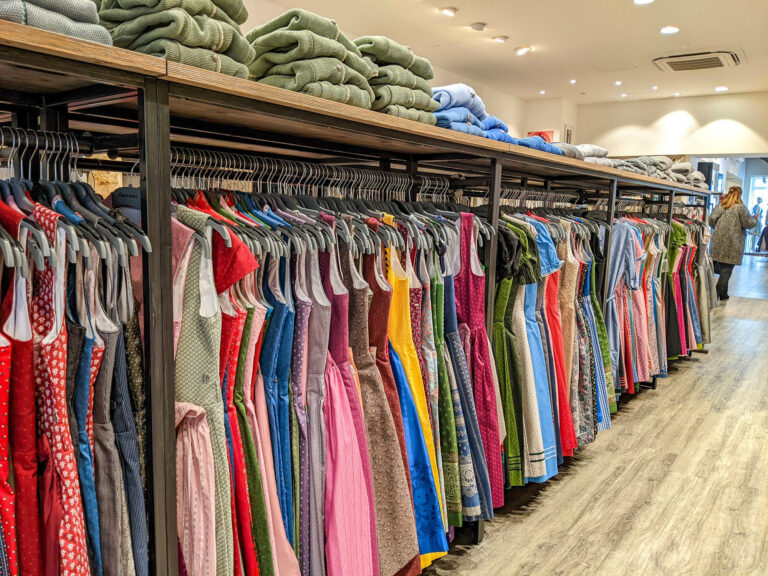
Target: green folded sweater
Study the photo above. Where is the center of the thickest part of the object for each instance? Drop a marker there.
(284, 46)
(383, 50)
(198, 57)
(190, 31)
(235, 9)
(296, 75)
(346, 94)
(112, 14)
(411, 114)
(394, 75)
(299, 19)
(400, 96)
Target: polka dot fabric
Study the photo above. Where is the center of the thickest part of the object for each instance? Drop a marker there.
(7, 497)
(50, 381)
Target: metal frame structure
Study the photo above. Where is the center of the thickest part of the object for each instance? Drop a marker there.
(139, 113)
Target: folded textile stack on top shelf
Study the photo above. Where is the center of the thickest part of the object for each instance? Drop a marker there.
(684, 173)
(76, 18)
(201, 33)
(661, 167)
(304, 52)
(461, 109)
(400, 79)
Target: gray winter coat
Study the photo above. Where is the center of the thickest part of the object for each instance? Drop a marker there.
(729, 228)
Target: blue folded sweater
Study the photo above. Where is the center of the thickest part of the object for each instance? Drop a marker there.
(457, 114)
(538, 143)
(493, 123)
(500, 135)
(459, 95)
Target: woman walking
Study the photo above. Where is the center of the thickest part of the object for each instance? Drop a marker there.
(730, 220)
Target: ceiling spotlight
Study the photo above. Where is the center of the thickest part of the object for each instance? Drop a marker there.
(573, 81)
(500, 39)
(721, 89)
(677, 94)
(542, 92)
(670, 30)
(451, 12)
(654, 88)
(624, 95)
(643, 2)
(618, 82)
(523, 50)
(478, 26)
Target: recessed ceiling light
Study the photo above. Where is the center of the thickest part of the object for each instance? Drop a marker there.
(451, 12)
(624, 95)
(573, 81)
(670, 30)
(677, 94)
(523, 50)
(542, 92)
(643, 2)
(478, 26)
(721, 89)
(618, 82)
(654, 88)
(500, 39)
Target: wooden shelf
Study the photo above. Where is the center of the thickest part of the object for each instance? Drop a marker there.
(37, 61)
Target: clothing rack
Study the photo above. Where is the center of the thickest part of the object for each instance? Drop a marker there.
(61, 101)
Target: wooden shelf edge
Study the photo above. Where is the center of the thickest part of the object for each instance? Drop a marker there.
(45, 42)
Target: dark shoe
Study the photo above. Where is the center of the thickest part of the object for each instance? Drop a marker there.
(725, 298)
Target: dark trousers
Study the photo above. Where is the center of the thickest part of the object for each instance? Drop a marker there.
(725, 276)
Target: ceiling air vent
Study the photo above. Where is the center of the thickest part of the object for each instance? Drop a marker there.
(699, 61)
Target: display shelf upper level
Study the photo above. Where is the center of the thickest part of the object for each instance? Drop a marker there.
(38, 64)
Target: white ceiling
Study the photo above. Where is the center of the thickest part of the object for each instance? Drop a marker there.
(595, 42)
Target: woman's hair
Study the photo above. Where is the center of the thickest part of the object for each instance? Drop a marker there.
(732, 198)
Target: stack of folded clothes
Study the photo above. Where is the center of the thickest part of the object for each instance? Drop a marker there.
(400, 79)
(697, 179)
(569, 150)
(304, 52)
(201, 33)
(538, 143)
(76, 18)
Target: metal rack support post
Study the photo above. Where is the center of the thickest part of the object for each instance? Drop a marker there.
(494, 199)
(155, 151)
(613, 191)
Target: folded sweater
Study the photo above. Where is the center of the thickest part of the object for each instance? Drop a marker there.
(394, 75)
(492, 123)
(500, 135)
(346, 94)
(410, 114)
(284, 46)
(569, 150)
(383, 50)
(463, 127)
(592, 150)
(78, 10)
(112, 13)
(538, 143)
(600, 161)
(299, 19)
(459, 95)
(29, 14)
(458, 114)
(296, 75)
(235, 9)
(683, 168)
(191, 31)
(399, 96)
(198, 57)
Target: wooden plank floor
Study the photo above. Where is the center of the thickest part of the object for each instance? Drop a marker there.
(678, 487)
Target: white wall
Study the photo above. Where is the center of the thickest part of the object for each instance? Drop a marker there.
(551, 114)
(706, 125)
